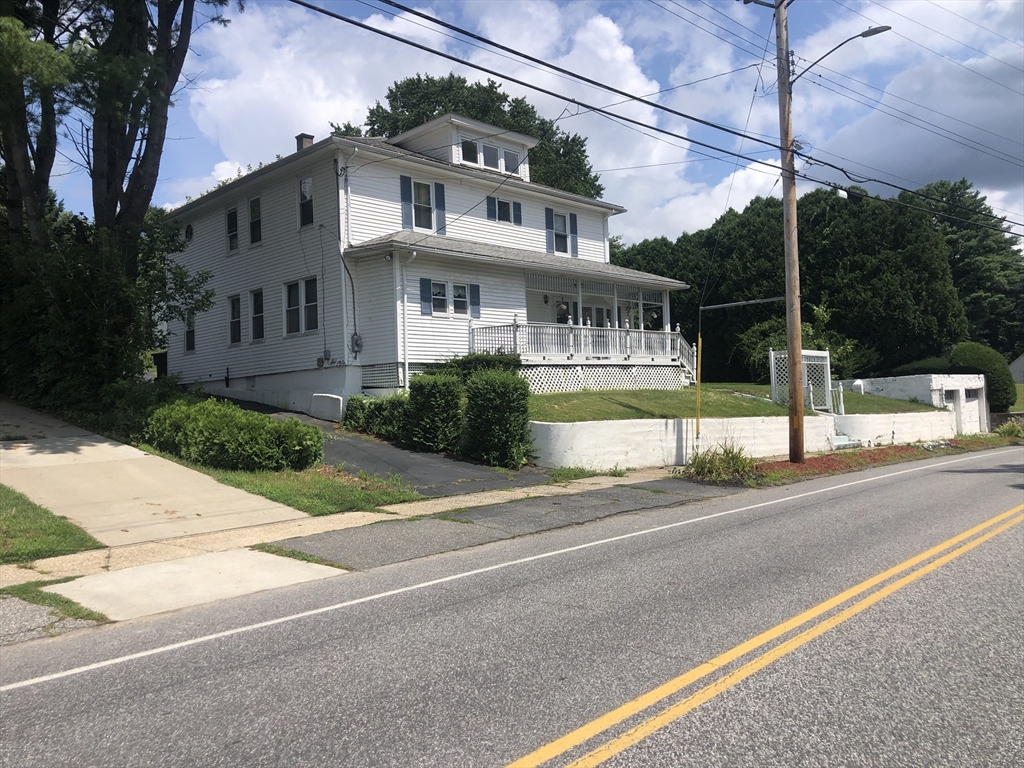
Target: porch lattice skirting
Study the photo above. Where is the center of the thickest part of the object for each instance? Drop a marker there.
(573, 378)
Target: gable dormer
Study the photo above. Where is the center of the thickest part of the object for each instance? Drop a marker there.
(463, 141)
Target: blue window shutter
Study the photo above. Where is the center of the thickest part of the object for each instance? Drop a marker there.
(439, 208)
(549, 225)
(517, 214)
(406, 184)
(492, 208)
(426, 300)
(574, 247)
(474, 300)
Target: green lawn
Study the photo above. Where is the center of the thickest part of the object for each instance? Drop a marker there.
(321, 490)
(29, 532)
(1018, 407)
(718, 401)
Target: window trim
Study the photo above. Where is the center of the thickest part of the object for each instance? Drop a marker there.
(232, 211)
(190, 332)
(302, 306)
(234, 323)
(515, 211)
(253, 315)
(416, 206)
(427, 298)
(258, 221)
(308, 202)
(456, 299)
(564, 233)
(502, 150)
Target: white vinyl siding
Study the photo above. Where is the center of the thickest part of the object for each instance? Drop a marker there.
(377, 210)
(377, 306)
(278, 260)
(439, 337)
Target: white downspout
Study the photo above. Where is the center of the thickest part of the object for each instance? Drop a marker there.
(405, 321)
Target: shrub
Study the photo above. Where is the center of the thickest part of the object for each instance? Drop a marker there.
(434, 412)
(1012, 428)
(385, 417)
(222, 435)
(724, 464)
(122, 410)
(466, 366)
(918, 367)
(1001, 389)
(498, 418)
(355, 412)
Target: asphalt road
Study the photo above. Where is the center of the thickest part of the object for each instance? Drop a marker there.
(483, 656)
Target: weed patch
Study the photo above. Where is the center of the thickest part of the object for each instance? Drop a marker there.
(294, 554)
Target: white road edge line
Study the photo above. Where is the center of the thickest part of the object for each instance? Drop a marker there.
(463, 575)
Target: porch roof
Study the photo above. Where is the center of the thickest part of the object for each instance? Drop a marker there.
(468, 249)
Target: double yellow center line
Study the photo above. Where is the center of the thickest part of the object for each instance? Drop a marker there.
(957, 545)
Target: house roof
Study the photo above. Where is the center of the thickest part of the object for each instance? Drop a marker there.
(468, 249)
(467, 122)
(332, 144)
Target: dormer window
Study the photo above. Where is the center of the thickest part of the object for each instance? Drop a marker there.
(490, 156)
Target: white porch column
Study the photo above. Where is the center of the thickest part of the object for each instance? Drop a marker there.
(615, 305)
(579, 301)
(667, 321)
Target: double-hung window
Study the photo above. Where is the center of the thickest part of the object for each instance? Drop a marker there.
(235, 320)
(255, 222)
(435, 295)
(505, 210)
(306, 201)
(301, 307)
(256, 312)
(232, 229)
(491, 156)
(562, 232)
(470, 155)
(190, 331)
(422, 207)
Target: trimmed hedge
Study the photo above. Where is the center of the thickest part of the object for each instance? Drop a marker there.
(498, 419)
(355, 412)
(385, 417)
(1002, 391)
(919, 367)
(222, 435)
(434, 413)
(467, 365)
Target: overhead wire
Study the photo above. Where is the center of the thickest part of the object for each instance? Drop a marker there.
(931, 50)
(599, 110)
(979, 26)
(948, 37)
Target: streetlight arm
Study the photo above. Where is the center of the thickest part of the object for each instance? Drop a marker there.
(870, 32)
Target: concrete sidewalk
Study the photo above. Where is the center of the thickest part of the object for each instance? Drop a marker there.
(176, 537)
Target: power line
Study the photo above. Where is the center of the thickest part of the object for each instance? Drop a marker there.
(930, 50)
(605, 112)
(958, 42)
(979, 26)
(708, 31)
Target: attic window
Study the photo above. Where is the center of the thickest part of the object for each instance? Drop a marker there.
(490, 156)
(469, 153)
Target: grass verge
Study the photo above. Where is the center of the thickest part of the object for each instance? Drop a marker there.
(321, 490)
(294, 554)
(568, 474)
(763, 473)
(30, 532)
(31, 592)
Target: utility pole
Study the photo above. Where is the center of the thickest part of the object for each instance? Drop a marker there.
(794, 342)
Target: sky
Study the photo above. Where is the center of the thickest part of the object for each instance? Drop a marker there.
(940, 96)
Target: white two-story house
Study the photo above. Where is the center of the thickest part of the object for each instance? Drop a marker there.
(353, 263)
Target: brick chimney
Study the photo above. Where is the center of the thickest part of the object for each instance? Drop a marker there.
(303, 141)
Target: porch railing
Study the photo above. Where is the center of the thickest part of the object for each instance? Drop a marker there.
(579, 343)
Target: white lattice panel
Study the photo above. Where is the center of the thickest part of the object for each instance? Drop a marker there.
(817, 373)
(573, 378)
(382, 376)
(550, 283)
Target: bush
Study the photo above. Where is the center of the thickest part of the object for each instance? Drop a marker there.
(385, 417)
(724, 464)
(1001, 389)
(498, 418)
(1011, 428)
(434, 412)
(355, 412)
(122, 410)
(466, 366)
(926, 366)
(222, 435)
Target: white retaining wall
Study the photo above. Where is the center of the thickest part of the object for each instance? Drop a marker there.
(293, 391)
(670, 442)
(894, 428)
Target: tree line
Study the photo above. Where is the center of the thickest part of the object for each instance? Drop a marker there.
(884, 282)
